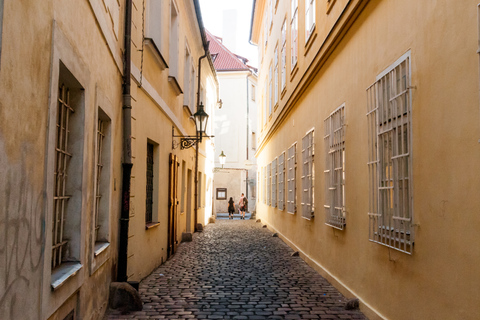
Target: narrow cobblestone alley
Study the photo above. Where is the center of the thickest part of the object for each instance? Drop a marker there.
(237, 270)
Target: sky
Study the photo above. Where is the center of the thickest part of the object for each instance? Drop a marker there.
(230, 20)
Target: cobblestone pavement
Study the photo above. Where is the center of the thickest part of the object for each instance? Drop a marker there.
(237, 270)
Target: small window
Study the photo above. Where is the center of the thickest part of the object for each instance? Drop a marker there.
(275, 85)
(281, 181)
(221, 193)
(291, 179)
(283, 59)
(253, 92)
(309, 18)
(149, 192)
(390, 158)
(269, 184)
(294, 34)
(102, 179)
(308, 176)
(274, 183)
(335, 169)
(270, 89)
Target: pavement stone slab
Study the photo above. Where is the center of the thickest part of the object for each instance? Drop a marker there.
(235, 269)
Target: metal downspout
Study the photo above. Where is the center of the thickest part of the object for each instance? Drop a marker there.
(195, 198)
(248, 128)
(127, 148)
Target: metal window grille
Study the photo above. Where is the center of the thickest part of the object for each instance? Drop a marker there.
(98, 196)
(291, 179)
(308, 175)
(294, 33)
(259, 184)
(149, 195)
(389, 159)
(62, 158)
(284, 54)
(281, 181)
(274, 183)
(335, 169)
(269, 184)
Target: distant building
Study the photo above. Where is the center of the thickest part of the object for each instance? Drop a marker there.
(368, 148)
(235, 127)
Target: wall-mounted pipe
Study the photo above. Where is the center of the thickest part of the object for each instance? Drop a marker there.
(127, 148)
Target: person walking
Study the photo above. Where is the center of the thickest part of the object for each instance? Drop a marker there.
(243, 206)
(231, 208)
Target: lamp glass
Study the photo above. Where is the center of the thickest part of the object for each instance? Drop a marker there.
(222, 157)
(201, 118)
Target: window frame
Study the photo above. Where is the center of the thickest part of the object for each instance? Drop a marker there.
(334, 142)
(391, 222)
(294, 34)
(281, 181)
(310, 7)
(308, 175)
(291, 179)
(218, 191)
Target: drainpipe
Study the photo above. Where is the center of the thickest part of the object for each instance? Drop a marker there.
(195, 198)
(127, 148)
(248, 128)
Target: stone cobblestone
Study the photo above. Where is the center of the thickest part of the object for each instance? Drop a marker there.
(237, 270)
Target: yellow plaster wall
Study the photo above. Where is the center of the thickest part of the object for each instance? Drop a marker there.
(440, 280)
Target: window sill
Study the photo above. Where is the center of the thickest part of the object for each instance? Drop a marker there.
(100, 247)
(152, 47)
(151, 225)
(330, 4)
(175, 85)
(310, 41)
(294, 71)
(64, 272)
(282, 94)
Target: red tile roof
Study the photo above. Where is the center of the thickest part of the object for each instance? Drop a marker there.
(224, 59)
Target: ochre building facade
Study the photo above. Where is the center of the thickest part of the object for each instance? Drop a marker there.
(368, 145)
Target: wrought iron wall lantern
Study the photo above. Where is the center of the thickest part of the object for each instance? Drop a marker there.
(201, 118)
(222, 157)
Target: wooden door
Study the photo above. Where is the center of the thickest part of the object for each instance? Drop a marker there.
(172, 205)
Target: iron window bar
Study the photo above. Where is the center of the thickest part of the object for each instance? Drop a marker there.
(389, 162)
(60, 198)
(98, 196)
(335, 169)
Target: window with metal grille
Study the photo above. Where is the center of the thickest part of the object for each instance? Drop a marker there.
(294, 33)
(269, 184)
(335, 169)
(200, 190)
(62, 161)
(68, 152)
(308, 176)
(309, 18)
(389, 158)
(149, 192)
(291, 179)
(281, 181)
(274, 183)
(102, 179)
(284, 55)
(265, 185)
